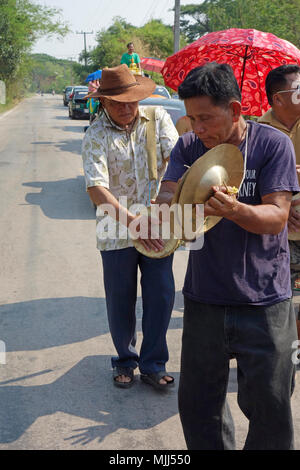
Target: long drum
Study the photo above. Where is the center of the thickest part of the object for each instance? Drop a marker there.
(170, 245)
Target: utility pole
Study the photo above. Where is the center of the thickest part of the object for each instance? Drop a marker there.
(176, 25)
(85, 53)
(71, 69)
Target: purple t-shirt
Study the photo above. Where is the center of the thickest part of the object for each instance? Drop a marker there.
(236, 267)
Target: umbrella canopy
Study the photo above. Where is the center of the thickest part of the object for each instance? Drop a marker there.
(251, 54)
(151, 64)
(94, 76)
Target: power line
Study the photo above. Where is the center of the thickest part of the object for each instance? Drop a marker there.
(154, 8)
(148, 13)
(104, 13)
(163, 8)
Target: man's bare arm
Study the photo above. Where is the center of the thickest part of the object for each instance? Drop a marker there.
(100, 195)
(270, 217)
(166, 193)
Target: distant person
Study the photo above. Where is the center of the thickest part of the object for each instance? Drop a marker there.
(131, 58)
(183, 125)
(93, 86)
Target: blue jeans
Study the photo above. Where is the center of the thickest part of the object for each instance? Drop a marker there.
(120, 269)
(260, 338)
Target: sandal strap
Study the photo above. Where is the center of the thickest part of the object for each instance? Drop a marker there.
(128, 371)
(157, 376)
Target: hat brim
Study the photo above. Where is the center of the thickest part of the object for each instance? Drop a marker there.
(144, 88)
(86, 97)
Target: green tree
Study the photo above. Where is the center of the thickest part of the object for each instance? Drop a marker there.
(154, 39)
(158, 38)
(111, 44)
(48, 73)
(195, 21)
(21, 24)
(280, 17)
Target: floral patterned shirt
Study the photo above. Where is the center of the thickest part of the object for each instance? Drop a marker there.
(116, 160)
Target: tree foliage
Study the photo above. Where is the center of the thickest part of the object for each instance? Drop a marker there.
(21, 24)
(195, 21)
(111, 43)
(49, 73)
(154, 39)
(280, 17)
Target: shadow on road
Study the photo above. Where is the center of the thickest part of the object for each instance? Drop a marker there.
(42, 143)
(73, 145)
(47, 323)
(64, 118)
(86, 391)
(62, 199)
(78, 129)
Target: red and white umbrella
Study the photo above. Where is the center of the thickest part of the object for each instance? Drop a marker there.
(252, 54)
(151, 64)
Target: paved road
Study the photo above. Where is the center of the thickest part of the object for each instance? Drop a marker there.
(55, 389)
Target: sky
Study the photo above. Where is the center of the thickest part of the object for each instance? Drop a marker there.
(91, 16)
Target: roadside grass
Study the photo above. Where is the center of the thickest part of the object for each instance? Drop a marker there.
(6, 107)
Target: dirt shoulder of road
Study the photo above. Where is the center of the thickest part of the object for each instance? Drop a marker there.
(4, 108)
(7, 107)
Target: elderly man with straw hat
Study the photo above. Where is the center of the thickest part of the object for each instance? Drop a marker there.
(237, 288)
(125, 153)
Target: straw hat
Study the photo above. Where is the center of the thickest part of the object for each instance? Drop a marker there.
(295, 235)
(221, 165)
(119, 84)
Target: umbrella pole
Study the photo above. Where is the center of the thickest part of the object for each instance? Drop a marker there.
(244, 66)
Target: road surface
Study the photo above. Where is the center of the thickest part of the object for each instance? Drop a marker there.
(56, 389)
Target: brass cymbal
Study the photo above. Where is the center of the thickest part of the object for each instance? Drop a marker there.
(221, 165)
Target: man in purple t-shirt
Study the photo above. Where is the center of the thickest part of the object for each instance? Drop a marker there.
(237, 288)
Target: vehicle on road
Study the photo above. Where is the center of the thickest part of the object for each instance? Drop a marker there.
(78, 104)
(66, 94)
(161, 91)
(175, 108)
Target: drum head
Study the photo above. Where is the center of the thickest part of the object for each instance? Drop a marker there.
(170, 246)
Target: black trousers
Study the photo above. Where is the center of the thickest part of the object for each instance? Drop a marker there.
(261, 339)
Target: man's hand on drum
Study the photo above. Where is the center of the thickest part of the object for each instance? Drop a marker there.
(145, 228)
